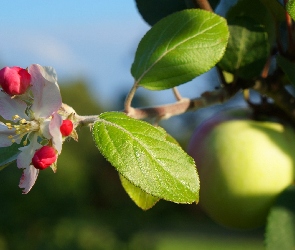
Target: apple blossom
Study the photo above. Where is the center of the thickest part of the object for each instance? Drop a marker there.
(14, 80)
(35, 122)
(44, 157)
(66, 127)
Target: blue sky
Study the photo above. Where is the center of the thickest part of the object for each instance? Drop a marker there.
(91, 39)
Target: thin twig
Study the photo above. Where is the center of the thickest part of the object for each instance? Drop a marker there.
(176, 94)
(129, 98)
(184, 105)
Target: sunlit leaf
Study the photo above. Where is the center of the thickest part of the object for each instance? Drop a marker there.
(247, 49)
(280, 229)
(142, 154)
(290, 7)
(142, 199)
(179, 48)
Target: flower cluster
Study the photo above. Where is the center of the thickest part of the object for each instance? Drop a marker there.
(37, 120)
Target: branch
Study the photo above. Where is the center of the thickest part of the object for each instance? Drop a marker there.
(184, 105)
(271, 87)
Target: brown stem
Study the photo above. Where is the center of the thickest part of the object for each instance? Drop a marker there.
(129, 98)
(184, 105)
(203, 4)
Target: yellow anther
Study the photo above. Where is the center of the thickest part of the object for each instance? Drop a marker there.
(22, 121)
(10, 136)
(25, 142)
(13, 140)
(15, 117)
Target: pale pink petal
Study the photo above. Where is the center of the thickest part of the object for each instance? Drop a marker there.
(24, 159)
(54, 129)
(44, 129)
(28, 179)
(47, 98)
(10, 107)
(4, 133)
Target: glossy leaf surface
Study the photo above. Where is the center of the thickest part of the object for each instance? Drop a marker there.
(247, 49)
(179, 48)
(142, 154)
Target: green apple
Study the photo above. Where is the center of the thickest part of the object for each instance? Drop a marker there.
(243, 165)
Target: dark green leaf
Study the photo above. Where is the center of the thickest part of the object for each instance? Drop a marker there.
(253, 9)
(142, 154)
(277, 10)
(8, 155)
(288, 68)
(179, 48)
(153, 11)
(142, 199)
(280, 229)
(247, 49)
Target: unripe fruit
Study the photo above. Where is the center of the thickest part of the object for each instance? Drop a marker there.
(44, 157)
(14, 80)
(243, 165)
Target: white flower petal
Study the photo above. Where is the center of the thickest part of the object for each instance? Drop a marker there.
(47, 98)
(54, 129)
(44, 128)
(10, 107)
(24, 159)
(4, 133)
(28, 178)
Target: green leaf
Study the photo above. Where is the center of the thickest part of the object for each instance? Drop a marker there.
(280, 229)
(277, 10)
(8, 155)
(153, 11)
(179, 48)
(142, 199)
(253, 9)
(288, 67)
(142, 154)
(290, 7)
(247, 49)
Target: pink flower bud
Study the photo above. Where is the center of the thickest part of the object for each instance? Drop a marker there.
(14, 80)
(66, 127)
(44, 157)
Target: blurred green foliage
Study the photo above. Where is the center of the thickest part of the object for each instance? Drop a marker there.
(83, 205)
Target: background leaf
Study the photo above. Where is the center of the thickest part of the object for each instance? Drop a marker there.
(253, 9)
(179, 48)
(288, 67)
(141, 153)
(8, 155)
(247, 48)
(280, 229)
(142, 199)
(153, 11)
